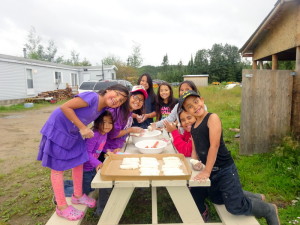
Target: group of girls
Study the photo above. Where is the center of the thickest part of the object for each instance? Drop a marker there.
(68, 143)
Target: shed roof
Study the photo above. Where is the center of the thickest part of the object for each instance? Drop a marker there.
(264, 28)
(197, 75)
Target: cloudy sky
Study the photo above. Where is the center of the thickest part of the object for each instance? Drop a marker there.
(97, 29)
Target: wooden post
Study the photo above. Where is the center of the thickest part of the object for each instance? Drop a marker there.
(254, 64)
(295, 120)
(274, 62)
(261, 65)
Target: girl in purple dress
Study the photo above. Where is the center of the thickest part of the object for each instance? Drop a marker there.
(62, 146)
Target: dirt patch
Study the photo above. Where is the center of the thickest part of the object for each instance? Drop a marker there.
(20, 137)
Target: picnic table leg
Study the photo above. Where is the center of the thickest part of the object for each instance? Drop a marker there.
(185, 204)
(115, 205)
(154, 205)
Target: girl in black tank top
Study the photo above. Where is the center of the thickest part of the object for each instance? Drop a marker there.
(202, 143)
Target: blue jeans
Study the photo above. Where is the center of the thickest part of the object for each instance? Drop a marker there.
(225, 189)
(68, 187)
(88, 176)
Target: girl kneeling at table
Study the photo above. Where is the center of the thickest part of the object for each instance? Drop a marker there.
(62, 146)
(122, 128)
(210, 148)
(182, 142)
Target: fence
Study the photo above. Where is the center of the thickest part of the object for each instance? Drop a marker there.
(266, 109)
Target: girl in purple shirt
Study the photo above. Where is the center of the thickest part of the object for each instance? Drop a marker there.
(102, 125)
(62, 146)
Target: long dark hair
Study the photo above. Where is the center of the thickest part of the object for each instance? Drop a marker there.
(98, 123)
(150, 90)
(191, 84)
(124, 108)
(160, 102)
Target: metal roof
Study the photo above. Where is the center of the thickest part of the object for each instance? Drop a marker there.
(263, 29)
(22, 60)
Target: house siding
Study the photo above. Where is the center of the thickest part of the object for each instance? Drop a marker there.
(13, 76)
(13, 81)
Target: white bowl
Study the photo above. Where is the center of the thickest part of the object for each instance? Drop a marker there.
(147, 135)
(141, 145)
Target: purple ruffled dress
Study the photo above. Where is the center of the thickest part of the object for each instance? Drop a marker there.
(120, 123)
(62, 147)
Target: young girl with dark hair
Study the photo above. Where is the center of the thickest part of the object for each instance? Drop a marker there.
(165, 101)
(102, 125)
(145, 118)
(63, 147)
(173, 116)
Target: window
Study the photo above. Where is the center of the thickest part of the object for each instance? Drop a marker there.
(57, 77)
(29, 78)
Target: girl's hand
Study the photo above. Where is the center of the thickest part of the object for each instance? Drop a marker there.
(144, 117)
(136, 130)
(202, 176)
(169, 126)
(139, 118)
(99, 167)
(152, 127)
(86, 133)
(116, 150)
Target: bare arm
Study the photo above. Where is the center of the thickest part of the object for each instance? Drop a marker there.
(68, 109)
(194, 154)
(215, 129)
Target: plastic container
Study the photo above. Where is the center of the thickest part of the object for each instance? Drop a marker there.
(145, 146)
(28, 105)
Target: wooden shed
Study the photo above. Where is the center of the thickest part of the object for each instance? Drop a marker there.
(199, 80)
(271, 97)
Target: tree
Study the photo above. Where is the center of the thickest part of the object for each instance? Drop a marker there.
(190, 66)
(36, 50)
(201, 62)
(112, 60)
(33, 46)
(135, 60)
(217, 67)
(165, 61)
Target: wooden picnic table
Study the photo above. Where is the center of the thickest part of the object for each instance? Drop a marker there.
(122, 191)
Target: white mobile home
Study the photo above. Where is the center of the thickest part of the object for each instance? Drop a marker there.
(21, 78)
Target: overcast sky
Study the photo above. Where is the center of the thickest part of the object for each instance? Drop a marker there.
(97, 29)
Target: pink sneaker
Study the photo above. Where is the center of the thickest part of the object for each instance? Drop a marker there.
(84, 200)
(70, 213)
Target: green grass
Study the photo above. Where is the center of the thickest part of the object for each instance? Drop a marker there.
(26, 194)
(20, 107)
